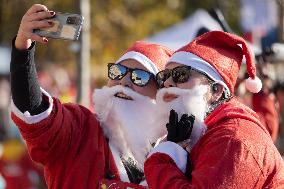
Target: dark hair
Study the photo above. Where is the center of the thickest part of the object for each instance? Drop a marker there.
(224, 98)
(201, 31)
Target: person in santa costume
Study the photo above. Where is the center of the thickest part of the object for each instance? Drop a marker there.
(80, 149)
(229, 147)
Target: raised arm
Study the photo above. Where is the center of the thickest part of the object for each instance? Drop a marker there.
(26, 93)
(51, 129)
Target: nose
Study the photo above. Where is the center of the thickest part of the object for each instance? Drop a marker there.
(169, 83)
(125, 81)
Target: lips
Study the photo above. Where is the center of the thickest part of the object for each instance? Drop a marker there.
(169, 97)
(123, 96)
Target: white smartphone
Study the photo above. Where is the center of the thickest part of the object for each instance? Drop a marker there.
(65, 26)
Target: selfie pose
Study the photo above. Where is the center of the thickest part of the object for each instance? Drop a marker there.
(80, 149)
(235, 151)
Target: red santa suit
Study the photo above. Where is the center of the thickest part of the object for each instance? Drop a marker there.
(65, 142)
(236, 151)
(68, 140)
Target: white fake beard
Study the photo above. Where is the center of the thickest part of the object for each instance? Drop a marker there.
(189, 101)
(129, 124)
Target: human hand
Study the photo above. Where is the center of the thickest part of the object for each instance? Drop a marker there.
(34, 18)
(179, 131)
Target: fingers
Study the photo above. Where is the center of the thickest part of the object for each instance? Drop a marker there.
(39, 24)
(38, 38)
(40, 15)
(168, 126)
(179, 130)
(26, 30)
(172, 132)
(35, 18)
(173, 120)
(36, 8)
(185, 126)
(191, 118)
(172, 126)
(189, 122)
(189, 130)
(184, 121)
(183, 117)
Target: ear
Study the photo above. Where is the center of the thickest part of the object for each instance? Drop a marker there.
(216, 91)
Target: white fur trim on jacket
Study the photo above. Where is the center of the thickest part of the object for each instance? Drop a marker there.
(31, 119)
(121, 170)
(144, 60)
(189, 59)
(175, 151)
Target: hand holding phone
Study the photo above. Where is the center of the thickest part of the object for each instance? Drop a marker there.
(39, 18)
(35, 17)
(64, 26)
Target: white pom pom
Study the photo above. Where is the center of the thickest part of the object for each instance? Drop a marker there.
(253, 85)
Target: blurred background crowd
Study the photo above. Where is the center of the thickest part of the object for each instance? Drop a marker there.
(115, 24)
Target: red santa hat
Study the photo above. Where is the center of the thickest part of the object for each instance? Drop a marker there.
(219, 55)
(152, 56)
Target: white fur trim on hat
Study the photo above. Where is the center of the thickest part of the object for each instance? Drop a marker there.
(32, 119)
(144, 60)
(189, 59)
(253, 85)
(175, 151)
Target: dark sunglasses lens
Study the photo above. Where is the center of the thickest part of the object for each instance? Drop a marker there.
(181, 74)
(140, 77)
(116, 71)
(162, 76)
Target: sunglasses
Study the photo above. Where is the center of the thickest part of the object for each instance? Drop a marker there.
(180, 74)
(138, 76)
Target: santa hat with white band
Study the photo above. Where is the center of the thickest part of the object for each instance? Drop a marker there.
(219, 55)
(152, 56)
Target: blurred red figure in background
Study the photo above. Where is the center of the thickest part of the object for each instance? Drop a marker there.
(264, 105)
(17, 169)
(265, 102)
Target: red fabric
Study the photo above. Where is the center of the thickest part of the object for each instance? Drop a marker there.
(249, 37)
(236, 152)
(20, 173)
(71, 146)
(224, 52)
(264, 106)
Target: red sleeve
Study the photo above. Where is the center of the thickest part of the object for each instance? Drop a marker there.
(221, 162)
(162, 172)
(264, 106)
(60, 134)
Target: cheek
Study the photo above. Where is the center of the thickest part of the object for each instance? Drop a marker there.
(150, 90)
(190, 83)
(187, 85)
(112, 83)
(209, 97)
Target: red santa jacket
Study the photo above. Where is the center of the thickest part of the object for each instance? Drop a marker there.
(236, 152)
(71, 145)
(264, 106)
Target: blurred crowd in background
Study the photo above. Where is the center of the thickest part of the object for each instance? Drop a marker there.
(115, 25)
